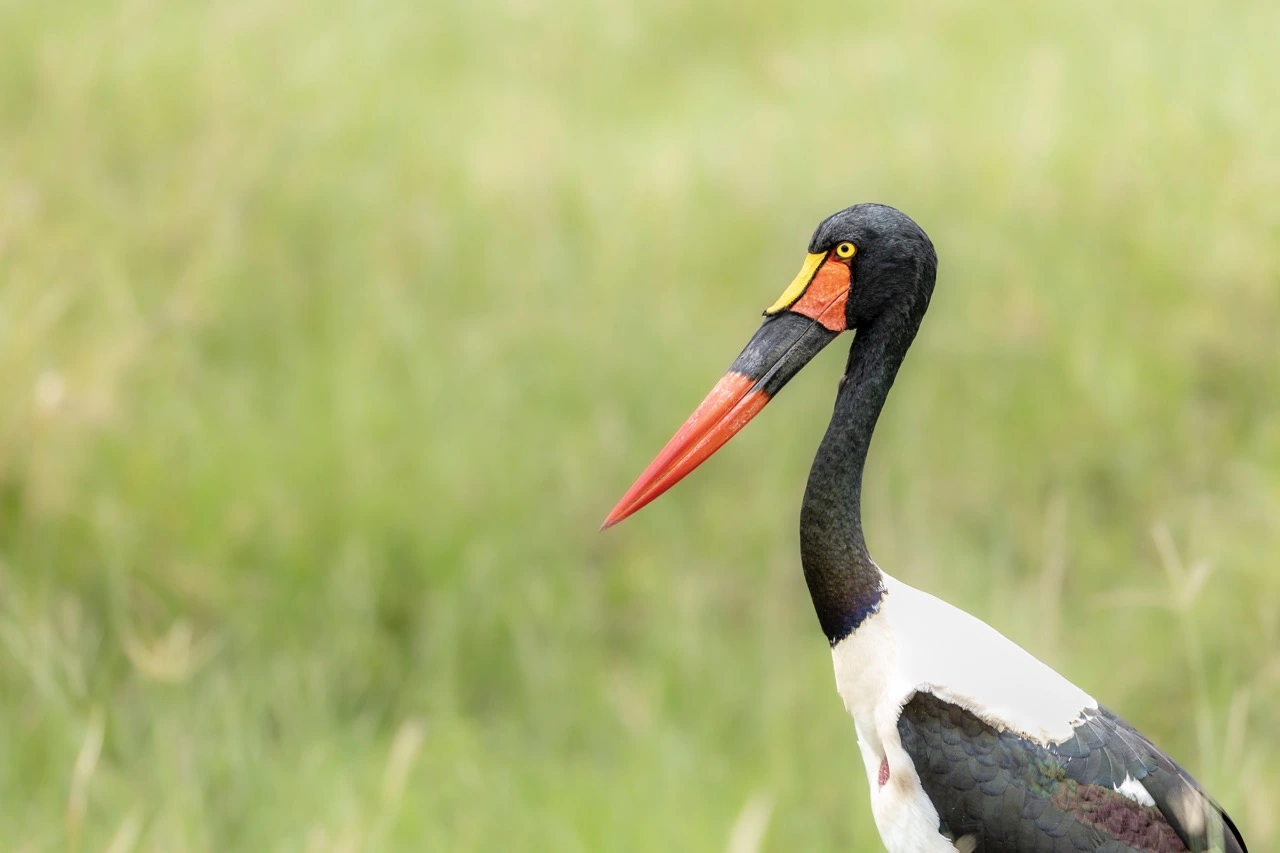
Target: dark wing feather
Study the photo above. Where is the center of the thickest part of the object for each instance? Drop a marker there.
(1015, 795)
(1200, 822)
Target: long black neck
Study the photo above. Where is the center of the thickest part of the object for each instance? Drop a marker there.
(846, 586)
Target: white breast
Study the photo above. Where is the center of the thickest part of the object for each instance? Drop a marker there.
(916, 642)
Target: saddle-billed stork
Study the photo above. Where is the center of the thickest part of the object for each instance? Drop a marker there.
(969, 742)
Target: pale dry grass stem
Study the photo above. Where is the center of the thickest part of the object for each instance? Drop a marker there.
(751, 824)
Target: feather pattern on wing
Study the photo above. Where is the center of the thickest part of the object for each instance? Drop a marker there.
(1106, 788)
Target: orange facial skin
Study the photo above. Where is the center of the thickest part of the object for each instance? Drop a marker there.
(825, 298)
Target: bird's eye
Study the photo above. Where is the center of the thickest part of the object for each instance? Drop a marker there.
(845, 250)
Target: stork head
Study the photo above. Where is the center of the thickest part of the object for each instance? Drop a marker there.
(862, 262)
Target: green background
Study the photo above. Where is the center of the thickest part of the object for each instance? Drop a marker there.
(330, 331)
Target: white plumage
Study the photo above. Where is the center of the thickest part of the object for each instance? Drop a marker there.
(916, 642)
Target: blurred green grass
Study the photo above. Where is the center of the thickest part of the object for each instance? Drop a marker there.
(328, 334)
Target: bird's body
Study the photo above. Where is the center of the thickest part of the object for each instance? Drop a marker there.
(914, 644)
(969, 742)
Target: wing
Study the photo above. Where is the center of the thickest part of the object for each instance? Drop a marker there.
(1107, 788)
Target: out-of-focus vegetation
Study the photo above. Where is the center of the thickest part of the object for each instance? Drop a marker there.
(329, 333)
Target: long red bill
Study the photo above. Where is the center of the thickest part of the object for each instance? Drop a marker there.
(734, 401)
(784, 343)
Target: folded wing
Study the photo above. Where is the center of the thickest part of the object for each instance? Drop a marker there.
(1105, 788)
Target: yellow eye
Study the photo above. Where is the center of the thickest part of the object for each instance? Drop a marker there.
(845, 250)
